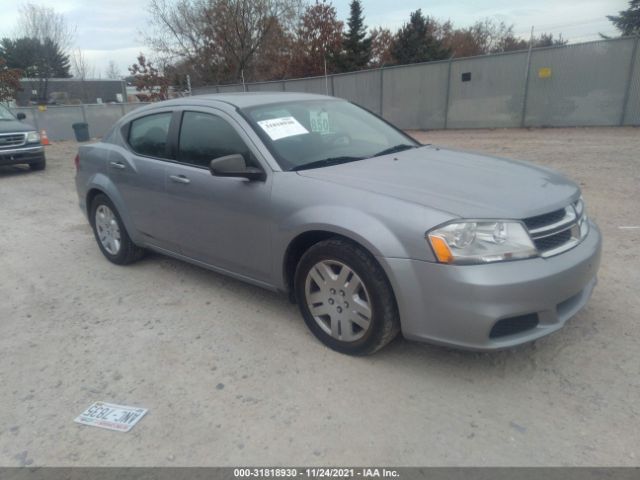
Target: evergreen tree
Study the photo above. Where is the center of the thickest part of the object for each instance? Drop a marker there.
(36, 59)
(628, 21)
(357, 44)
(415, 42)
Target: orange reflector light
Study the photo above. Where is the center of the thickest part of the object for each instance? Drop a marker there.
(441, 249)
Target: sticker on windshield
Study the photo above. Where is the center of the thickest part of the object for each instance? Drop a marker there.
(283, 127)
(319, 121)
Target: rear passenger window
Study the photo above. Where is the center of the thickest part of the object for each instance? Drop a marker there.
(148, 135)
(204, 137)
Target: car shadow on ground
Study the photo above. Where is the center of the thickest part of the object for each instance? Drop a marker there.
(14, 170)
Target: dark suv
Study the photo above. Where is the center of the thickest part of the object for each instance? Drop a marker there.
(19, 142)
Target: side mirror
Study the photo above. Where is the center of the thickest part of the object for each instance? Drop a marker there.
(21, 116)
(235, 166)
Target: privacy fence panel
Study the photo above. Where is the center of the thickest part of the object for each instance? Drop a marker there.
(266, 87)
(632, 111)
(319, 85)
(130, 107)
(579, 85)
(230, 88)
(57, 121)
(414, 97)
(204, 90)
(487, 91)
(361, 88)
(588, 84)
(101, 117)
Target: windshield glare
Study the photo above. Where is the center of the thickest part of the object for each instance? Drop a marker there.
(299, 133)
(5, 114)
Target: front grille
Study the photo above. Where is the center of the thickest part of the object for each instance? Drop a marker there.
(556, 231)
(553, 241)
(546, 219)
(12, 140)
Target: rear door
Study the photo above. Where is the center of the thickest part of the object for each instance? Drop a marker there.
(138, 172)
(220, 221)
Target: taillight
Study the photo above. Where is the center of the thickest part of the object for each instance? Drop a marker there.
(76, 161)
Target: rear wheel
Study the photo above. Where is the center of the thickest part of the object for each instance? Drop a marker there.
(345, 298)
(110, 233)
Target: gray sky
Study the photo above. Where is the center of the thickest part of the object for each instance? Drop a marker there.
(110, 29)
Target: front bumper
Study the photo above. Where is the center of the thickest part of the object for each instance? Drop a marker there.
(26, 155)
(460, 305)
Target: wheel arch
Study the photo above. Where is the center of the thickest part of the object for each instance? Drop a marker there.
(305, 240)
(101, 184)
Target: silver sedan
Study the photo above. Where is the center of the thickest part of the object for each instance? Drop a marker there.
(371, 233)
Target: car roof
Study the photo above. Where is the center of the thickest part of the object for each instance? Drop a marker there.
(244, 99)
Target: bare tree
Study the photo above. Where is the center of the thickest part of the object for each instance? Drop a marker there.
(38, 21)
(178, 30)
(220, 39)
(113, 72)
(241, 27)
(381, 47)
(318, 41)
(82, 67)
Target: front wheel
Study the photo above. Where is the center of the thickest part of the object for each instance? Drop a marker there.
(345, 298)
(110, 233)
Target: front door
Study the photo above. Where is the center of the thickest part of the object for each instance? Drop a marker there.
(224, 222)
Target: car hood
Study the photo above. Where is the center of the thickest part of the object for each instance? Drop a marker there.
(463, 184)
(13, 126)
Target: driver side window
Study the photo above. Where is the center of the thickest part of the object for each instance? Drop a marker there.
(204, 137)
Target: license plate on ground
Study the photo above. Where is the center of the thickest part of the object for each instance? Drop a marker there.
(112, 417)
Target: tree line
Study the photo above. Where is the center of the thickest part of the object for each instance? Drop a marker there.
(230, 41)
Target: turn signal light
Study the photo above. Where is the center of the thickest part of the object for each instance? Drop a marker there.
(441, 249)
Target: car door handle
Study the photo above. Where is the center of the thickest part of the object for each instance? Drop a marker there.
(119, 165)
(179, 179)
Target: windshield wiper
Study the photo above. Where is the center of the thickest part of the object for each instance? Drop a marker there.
(394, 149)
(326, 162)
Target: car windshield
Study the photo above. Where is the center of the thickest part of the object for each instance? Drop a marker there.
(5, 114)
(317, 133)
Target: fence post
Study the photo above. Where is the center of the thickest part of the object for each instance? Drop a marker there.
(382, 92)
(333, 88)
(446, 97)
(525, 92)
(627, 92)
(84, 113)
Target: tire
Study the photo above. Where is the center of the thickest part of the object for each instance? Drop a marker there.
(37, 166)
(106, 223)
(333, 305)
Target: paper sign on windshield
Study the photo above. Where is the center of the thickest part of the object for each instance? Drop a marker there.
(283, 127)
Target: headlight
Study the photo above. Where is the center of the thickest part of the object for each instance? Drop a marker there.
(473, 242)
(33, 137)
(581, 212)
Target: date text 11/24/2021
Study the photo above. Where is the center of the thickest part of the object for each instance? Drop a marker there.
(316, 472)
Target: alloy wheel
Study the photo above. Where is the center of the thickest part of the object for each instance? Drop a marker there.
(338, 300)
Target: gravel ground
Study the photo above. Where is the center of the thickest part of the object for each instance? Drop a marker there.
(231, 375)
